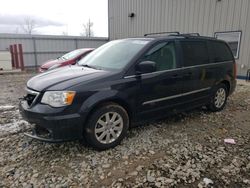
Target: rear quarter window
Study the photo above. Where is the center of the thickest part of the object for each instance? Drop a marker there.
(194, 53)
(220, 52)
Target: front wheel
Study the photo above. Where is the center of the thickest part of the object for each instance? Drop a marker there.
(219, 98)
(107, 126)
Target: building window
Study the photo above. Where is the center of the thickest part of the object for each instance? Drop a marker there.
(233, 38)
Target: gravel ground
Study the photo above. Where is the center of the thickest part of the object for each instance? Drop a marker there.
(186, 150)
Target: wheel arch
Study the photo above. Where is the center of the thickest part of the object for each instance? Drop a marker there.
(117, 101)
(96, 101)
(227, 84)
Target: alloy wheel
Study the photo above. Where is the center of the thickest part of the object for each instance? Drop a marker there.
(220, 98)
(108, 127)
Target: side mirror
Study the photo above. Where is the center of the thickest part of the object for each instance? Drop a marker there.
(145, 67)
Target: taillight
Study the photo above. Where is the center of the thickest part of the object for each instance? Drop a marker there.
(235, 70)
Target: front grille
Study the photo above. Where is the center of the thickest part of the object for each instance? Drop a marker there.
(31, 96)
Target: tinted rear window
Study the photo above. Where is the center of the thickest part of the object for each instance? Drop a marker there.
(220, 52)
(194, 53)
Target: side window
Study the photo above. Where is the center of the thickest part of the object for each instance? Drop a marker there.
(194, 53)
(220, 52)
(233, 39)
(163, 55)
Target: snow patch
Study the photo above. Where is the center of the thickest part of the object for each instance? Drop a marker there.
(207, 181)
(6, 107)
(13, 127)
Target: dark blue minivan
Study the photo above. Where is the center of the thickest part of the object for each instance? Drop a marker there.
(125, 82)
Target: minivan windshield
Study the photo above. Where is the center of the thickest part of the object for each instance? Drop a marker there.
(113, 55)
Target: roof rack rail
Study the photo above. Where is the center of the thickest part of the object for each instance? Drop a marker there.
(193, 34)
(171, 32)
(187, 34)
(174, 33)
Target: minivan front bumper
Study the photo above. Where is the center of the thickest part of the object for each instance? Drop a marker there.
(54, 127)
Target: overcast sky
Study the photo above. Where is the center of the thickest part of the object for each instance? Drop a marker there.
(54, 16)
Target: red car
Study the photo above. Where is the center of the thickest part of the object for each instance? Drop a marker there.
(70, 58)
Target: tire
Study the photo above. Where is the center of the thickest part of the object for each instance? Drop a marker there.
(106, 126)
(219, 98)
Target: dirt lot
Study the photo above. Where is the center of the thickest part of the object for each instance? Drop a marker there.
(186, 150)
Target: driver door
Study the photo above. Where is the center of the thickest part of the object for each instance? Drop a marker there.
(160, 91)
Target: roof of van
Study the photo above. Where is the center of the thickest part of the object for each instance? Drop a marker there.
(181, 36)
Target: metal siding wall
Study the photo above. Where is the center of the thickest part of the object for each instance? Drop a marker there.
(27, 43)
(47, 47)
(186, 16)
(89, 43)
(29, 59)
(245, 46)
(50, 45)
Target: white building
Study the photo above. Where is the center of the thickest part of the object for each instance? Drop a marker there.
(225, 19)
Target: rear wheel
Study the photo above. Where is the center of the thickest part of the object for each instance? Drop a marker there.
(107, 126)
(219, 98)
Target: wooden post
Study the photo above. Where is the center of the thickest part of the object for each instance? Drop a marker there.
(20, 49)
(16, 57)
(12, 56)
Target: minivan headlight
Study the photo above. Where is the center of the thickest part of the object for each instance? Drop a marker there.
(58, 98)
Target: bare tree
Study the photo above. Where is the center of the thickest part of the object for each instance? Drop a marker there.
(87, 29)
(29, 25)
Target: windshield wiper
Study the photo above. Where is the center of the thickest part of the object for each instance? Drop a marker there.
(90, 66)
(61, 58)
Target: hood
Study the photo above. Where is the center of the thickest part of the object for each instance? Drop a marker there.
(63, 78)
(50, 63)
